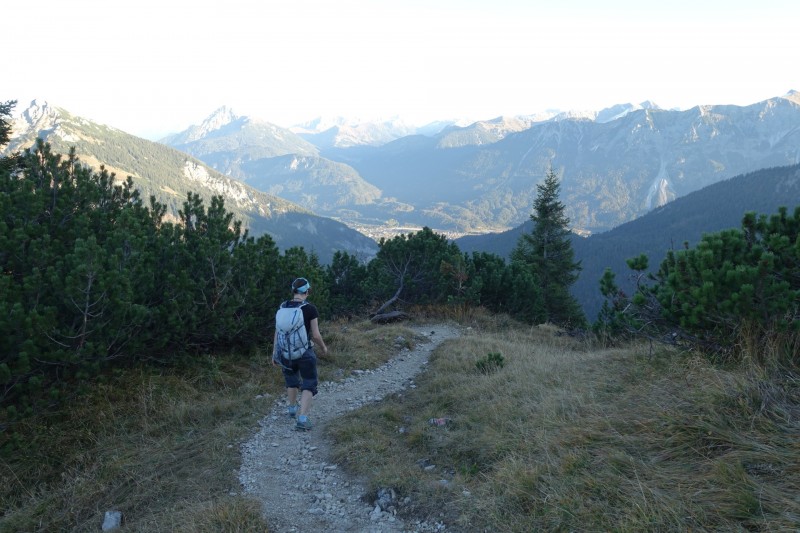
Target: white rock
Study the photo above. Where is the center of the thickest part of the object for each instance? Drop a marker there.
(112, 520)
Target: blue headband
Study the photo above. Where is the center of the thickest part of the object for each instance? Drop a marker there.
(302, 289)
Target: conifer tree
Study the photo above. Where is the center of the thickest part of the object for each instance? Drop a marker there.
(408, 268)
(346, 277)
(547, 253)
(5, 121)
(6, 163)
(735, 295)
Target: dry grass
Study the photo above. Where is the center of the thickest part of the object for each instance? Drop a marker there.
(564, 437)
(361, 345)
(161, 445)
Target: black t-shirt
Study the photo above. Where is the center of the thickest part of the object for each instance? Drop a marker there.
(309, 313)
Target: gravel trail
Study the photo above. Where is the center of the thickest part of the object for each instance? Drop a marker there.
(303, 490)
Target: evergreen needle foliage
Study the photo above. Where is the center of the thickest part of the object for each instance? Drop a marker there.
(490, 363)
(547, 253)
(735, 296)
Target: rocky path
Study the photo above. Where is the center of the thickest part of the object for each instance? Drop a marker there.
(303, 490)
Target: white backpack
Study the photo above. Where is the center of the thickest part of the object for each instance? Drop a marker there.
(292, 336)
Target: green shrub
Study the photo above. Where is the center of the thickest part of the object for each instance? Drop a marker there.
(735, 295)
(491, 363)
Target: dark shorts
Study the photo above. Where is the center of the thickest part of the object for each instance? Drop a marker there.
(301, 373)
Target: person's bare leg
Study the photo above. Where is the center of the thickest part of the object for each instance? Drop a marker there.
(305, 402)
(291, 395)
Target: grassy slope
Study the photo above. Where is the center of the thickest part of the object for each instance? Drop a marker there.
(159, 444)
(570, 438)
(563, 437)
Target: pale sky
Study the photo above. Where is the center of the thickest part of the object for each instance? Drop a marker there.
(151, 67)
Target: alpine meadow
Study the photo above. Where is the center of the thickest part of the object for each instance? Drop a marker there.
(625, 288)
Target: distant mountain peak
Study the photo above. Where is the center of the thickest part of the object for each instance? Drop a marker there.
(38, 111)
(327, 132)
(216, 120)
(792, 96)
(37, 108)
(620, 110)
(39, 116)
(221, 118)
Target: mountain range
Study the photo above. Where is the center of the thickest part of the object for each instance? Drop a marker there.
(169, 174)
(615, 165)
(288, 162)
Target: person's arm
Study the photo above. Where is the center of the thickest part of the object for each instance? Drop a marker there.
(274, 347)
(317, 337)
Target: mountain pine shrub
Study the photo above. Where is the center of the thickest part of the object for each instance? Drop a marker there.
(736, 294)
(492, 362)
(91, 279)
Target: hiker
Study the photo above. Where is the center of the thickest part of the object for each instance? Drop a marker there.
(296, 333)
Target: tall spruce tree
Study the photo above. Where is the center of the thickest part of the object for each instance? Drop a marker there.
(547, 253)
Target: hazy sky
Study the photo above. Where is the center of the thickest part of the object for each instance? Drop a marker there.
(151, 67)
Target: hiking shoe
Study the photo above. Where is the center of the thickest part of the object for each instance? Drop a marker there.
(303, 423)
(291, 411)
